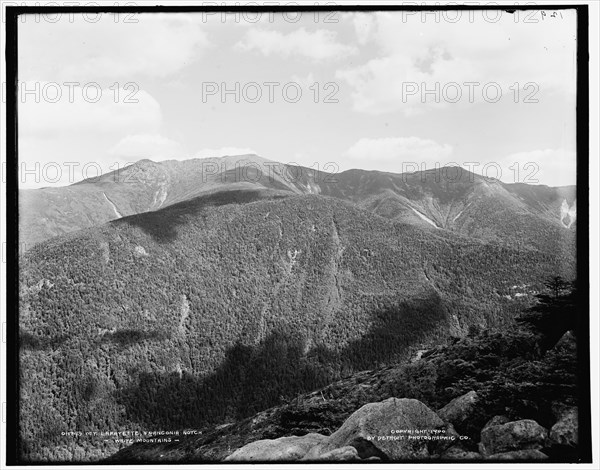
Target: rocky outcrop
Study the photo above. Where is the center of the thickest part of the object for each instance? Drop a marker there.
(525, 455)
(282, 449)
(565, 430)
(512, 436)
(407, 430)
(459, 410)
(496, 421)
(394, 429)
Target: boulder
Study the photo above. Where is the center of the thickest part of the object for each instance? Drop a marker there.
(340, 454)
(496, 421)
(459, 410)
(315, 452)
(439, 446)
(394, 429)
(567, 343)
(458, 453)
(282, 449)
(526, 454)
(515, 435)
(565, 430)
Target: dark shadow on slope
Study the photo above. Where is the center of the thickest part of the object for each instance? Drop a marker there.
(254, 378)
(250, 379)
(394, 330)
(32, 342)
(162, 224)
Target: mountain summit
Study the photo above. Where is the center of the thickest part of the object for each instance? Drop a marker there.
(452, 199)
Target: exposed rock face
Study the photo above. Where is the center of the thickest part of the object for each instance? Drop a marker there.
(526, 454)
(459, 410)
(565, 431)
(374, 430)
(282, 449)
(516, 435)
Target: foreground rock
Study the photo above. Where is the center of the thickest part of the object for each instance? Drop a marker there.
(282, 449)
(565, 431)
(340, 454)
(496, 421)
(394, 429)
(458, 453)
(515, 435)
(379, 430)
(406, 429)
(527, 454)
(459, 410)
(567, 344)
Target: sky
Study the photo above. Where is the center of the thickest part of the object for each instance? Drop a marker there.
(391, 91)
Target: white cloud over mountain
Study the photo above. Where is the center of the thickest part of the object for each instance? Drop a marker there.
(220, 152)
(430, 52)
(153, 45)
(318, 45)
(394, 77)
(47, 108)
(394, 154)
(552, 167)
(153, 146)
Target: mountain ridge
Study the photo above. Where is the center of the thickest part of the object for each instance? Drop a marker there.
(421, 198)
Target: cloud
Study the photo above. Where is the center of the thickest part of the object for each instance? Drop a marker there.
(157, 45)
(75, 134)
(552, 167)
(46, 110)
(305, 82)
(147, 146)
(363, 26)
(63, 160)
(395, 154)
(431, 52)
(318, 45)
(220, 152)
(395, 83)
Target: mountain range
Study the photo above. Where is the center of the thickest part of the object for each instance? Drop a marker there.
(451, 199)
(175, 295)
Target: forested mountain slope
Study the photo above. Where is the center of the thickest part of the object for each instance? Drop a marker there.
(488, 377)
(216, 307)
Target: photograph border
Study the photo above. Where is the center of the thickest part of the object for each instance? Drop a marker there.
(12, 199)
